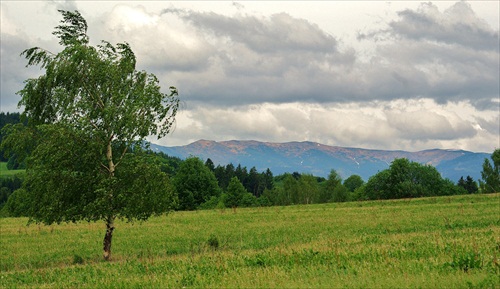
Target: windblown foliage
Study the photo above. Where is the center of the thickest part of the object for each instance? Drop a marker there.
(89, 114)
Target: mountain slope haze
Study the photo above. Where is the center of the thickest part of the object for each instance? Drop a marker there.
(319, 159)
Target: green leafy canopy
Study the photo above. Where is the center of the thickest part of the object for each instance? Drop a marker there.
(89, 114)
(96, 88)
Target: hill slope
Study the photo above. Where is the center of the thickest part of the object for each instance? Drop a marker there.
(318, 159)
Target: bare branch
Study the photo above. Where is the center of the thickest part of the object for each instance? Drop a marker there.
(105, 167)
(121, 157)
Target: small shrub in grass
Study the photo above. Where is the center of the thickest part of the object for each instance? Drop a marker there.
(258, 260)
(210, 204)
(467, 261)
(213, 242)
(77, 259)
(189, 278)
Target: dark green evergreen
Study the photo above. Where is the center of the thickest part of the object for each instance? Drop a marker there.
(490, 174)
(353, 182)
(235, 193)
(333, 181)
(195, 184)
(468, 184)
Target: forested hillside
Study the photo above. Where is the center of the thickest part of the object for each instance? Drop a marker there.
(201, 184)
(319, 159)
(9, 118)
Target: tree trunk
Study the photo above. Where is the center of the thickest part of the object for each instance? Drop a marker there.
(109, 157)
(110, 226)
(107, 238)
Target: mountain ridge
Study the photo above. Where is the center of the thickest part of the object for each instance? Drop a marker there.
(319, 159)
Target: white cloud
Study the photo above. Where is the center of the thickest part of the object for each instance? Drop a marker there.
(279, 58)
(425, 125)
(456, 25)
(399, 124)
(419, 75)
(161, 43)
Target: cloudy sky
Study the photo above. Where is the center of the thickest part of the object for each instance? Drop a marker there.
(382, 75)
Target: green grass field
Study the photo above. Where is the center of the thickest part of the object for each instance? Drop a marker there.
(4, 172)
(446, 242)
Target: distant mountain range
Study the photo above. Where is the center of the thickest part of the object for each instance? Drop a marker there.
(319, 159)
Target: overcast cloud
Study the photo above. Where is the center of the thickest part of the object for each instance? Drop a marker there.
(413, 77)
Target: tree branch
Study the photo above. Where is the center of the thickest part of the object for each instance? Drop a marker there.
(121, 157)
(105, 167)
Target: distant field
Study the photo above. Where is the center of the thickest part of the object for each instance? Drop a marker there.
(445, 242)
(4, 172)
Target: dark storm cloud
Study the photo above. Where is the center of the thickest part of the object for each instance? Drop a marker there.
(444, 56)
(246, 59)
(268, 59)
(457, 25)
(13, 72)
(276, 33)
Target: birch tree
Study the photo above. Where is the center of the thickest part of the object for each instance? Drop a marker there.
(89, 113)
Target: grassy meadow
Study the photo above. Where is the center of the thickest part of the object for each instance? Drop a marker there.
(4, 172)
(445, 242)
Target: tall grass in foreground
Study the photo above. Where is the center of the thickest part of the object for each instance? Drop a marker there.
(445, 242)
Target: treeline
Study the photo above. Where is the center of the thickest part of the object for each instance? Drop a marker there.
(12, 160)
(8, 185)
(202, 185)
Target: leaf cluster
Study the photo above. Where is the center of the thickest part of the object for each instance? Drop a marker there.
(65, 182)
(195, 184)
(490, 174)
(89, 103)
(408, 179)
(96, 88)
